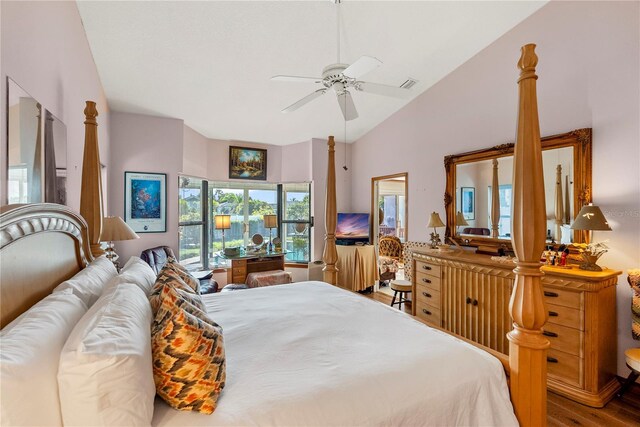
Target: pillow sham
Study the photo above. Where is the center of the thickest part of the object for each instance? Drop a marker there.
(169, 277)
(189, 365)
(105, 375)
(88, 284)
(138, 272)
(30, 350)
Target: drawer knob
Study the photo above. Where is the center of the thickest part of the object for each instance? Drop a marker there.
(553, 314)
(426, 267)
(468, 300)
(549, 334)
(426, 294)
(550, 294)
(426, 280)
(552, 359)
(425, 311)
(475, 302)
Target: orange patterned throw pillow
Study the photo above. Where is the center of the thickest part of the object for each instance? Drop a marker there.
(188, 355)
(184, 274)
(169, 277)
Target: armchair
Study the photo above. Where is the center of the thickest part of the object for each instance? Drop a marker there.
(389, 255)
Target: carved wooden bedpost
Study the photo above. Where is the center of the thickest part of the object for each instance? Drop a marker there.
(91, 191)
(495, 200)
(559, 205)
(330, 255)
(527, 345)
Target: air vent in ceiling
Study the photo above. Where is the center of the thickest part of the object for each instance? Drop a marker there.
(408, 84)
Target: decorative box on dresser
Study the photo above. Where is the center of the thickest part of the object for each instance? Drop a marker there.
(468, 294)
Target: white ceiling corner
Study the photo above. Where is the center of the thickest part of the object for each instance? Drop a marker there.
(210, 63)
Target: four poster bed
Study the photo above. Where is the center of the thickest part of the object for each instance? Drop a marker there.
(319, 361)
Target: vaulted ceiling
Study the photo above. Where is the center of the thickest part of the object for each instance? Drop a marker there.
(210, 63)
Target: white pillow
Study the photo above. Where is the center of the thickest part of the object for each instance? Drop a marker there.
(106, 375)
(29, 355)
(138, 272)
(89, 283)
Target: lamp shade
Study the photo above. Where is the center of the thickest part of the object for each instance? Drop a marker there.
(223, 222)
(590, 217)
(460, 219)
(435, 221)
(270, 221)
(115, 229)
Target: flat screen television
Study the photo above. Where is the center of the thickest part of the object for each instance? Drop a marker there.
(352, 228)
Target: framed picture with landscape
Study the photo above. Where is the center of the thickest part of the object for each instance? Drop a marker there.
(145, 201)
(247, 163)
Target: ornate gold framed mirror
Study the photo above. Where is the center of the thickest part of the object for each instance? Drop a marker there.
(478, 191)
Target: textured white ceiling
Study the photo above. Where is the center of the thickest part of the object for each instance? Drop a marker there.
(210, 63)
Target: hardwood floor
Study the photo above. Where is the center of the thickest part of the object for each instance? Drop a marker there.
(564, 412)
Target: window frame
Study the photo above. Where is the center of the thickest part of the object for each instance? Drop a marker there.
(206, 221)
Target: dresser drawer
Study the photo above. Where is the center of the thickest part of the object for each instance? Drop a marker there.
(565, 367)
(239, 271)
(426, 280)
(428, 296)
(428, 268)
(565, 316)
(563, 298)
(428, 313)
(564, 339)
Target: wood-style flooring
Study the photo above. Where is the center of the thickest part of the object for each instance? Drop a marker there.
(564, 412)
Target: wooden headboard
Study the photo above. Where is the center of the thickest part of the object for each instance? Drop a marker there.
(41, 245)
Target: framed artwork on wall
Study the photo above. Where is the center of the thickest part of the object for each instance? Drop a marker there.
(145, 201)
(247, 163)
(468, 202)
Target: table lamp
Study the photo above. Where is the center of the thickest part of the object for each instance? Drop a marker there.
(589, 219)
(222, 222)
(114, 229)
(435, 221)
(270, 221)
(460, 221)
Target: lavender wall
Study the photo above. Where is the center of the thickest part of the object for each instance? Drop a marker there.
(588, 77)
(45, 50)
(142, 143)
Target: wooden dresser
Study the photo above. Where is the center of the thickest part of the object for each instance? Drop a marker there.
(468, 294)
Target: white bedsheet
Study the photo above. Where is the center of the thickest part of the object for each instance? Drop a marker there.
(312, 354)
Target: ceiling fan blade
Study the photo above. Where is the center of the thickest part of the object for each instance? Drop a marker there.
(386, 90)
(362, 66)
(304, 100)
(296, 79)
(348, 107)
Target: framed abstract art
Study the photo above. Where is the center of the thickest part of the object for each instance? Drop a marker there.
(145, 201)
(468, 202)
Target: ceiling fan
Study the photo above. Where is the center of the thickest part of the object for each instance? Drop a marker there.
(342, 77)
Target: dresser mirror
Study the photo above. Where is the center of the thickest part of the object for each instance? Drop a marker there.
(37, 150)
(478, 191)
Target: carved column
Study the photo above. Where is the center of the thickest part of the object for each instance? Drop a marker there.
(559, 202)
(91, 191)
(495, 200)
(330, 255)
(527, 345)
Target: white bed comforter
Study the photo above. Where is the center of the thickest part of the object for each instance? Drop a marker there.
(312, 354)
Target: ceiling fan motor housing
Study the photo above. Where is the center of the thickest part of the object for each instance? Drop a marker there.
(332, 77)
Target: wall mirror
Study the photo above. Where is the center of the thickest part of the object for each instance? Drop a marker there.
(37, 150)
(24, 153)
(478, 191)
